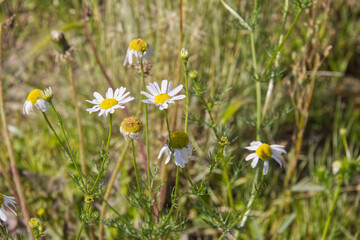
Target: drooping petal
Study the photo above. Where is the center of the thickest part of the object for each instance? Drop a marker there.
(277, 160)
(254, 162)
(184, 155)
(178, 159)
(266, 167)
(162, 151)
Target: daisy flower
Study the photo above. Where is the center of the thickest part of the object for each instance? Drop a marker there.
(162, 97)
(140, 48)
(34, 99)
(181, 146)
(264, 152)
(131, 128)
(112, 101)
(8, 202)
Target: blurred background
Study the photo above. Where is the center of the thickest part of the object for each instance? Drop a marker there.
(316, 93)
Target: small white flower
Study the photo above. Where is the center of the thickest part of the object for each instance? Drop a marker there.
(34, 99)
(110, 103)
(182, 149)
(336, 166)
(184, 54)
(162, 97)
(264, 152)
(140, 48)
(8, 202)
(131, 128)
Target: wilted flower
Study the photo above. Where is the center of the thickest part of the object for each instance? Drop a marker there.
(140, 48)
(181, 146)
(131, 128)
(35, 99)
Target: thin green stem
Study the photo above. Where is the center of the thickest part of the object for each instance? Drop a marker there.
(108, 204)
(104, 158)
(175, 195)
(332, 208)
(146, 134)
(53, 130)
(187, 96)
(208, 175)
(227, 180)
(135, 166)
(168, 126)
(188, 177)
(80, 230)
(273, 57)
(67, 142)
(254, 195)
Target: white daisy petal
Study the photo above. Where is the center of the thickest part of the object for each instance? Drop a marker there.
(152, 89)
(109, 93)
(98, 96)
(163, 149)
(175, 90)
(170, 86)
(266, 167)
(164, 86)
(254, 162)
(156, 86)
(277, 160)
(178, 159)
(189, 148)
(250, 156)
(252, 148)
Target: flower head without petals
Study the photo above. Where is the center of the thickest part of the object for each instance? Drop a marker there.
(180, 144)
(264, 152)
(162, 97)
(140, 49)
(113, 100)
(35, 99)
(6, 201)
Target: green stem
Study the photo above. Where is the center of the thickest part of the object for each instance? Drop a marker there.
(227, 180)
(53, 130)
(67, 143)
(188, 178)
(187, 96)
(328, 220)
(281, 45)
(173, 205)
(146, 134)
(168, 127)
(80, 230)
(208, 175)
(254, 195)
(104, 158)
(135, 166)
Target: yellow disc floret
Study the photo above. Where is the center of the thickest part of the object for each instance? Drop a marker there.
(108, 103)
(34, 223)
(1, 199)
(138, 45)
(161, 98)
(131, 125)
(179, 140)
(34, 95)
(264, 152)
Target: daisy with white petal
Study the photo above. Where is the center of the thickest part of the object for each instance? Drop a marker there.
(131, 128)
(7, 202)
(34, 99)
(181, 146)
(140, 49)
(264, 152)
(113, 100)
(162, 96)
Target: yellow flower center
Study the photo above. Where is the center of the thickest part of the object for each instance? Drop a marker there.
(179, 139)
(34, 95)
(1, 199)
(131, 125)
(138, 45)
(108, 103)
(161, 98)
(264, 152)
